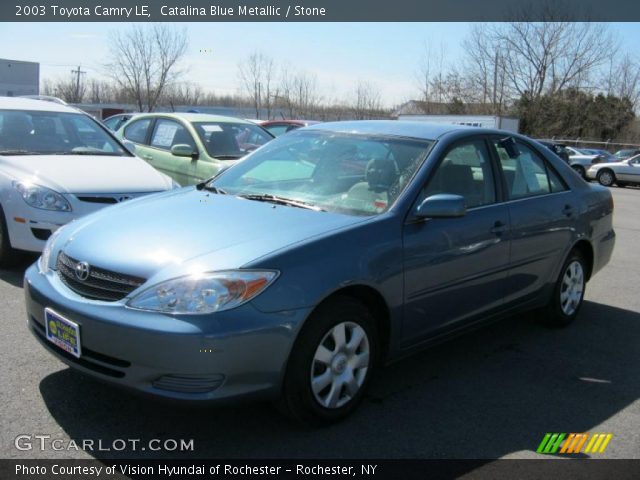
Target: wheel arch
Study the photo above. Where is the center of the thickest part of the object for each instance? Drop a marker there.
(586, 249)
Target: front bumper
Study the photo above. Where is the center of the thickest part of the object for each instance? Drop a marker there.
(591, 173)
(204, 358)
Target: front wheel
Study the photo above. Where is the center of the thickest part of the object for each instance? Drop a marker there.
(579, 170)
(606, 178)
(331, 363)
(569, 291)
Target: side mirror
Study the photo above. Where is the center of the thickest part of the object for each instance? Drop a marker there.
(509, 145)
(184, 150)
(129, 145)
(442, 205)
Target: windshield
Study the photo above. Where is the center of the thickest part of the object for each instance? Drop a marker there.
(25, 132)
(346, 173)
(230, 140)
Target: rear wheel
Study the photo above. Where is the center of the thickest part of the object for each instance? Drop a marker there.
(606, 177)
(568, 292)
(331, 363)
(8, 255)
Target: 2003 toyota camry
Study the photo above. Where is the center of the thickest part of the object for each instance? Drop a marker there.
(328, 251)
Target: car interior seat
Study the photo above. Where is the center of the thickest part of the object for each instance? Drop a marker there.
(17, 132)
(223, 142)
(373, 194)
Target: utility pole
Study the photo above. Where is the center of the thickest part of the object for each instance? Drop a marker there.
(77, 73)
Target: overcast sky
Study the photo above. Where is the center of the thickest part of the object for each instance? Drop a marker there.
(338, 54)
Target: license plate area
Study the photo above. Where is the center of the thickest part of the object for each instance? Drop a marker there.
(62, 332)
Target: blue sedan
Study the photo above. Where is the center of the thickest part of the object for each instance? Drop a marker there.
(327, 252)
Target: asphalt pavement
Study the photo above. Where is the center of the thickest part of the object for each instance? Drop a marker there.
(489, 394)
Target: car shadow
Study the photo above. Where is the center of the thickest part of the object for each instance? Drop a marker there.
(14, 274)
(484, 395)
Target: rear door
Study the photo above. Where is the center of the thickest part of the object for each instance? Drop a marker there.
(456, 268)
(542, 213)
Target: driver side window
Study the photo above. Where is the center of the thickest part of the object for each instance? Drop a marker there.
(466, 171)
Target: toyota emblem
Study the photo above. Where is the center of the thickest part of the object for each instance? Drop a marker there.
(82, 271)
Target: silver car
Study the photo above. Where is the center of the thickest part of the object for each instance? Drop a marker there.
(626, 172)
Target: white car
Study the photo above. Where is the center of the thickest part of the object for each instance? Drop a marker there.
(621, 173)
(57, 164)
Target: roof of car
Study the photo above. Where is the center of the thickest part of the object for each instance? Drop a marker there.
(197, 117)
(19, 103)
(422, 130)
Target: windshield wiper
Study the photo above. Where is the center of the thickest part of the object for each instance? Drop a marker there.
(19, 152)
(262, 197)
(228, 157)
(210, 188)
(85, 152)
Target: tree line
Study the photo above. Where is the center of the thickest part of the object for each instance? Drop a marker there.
(561, 78)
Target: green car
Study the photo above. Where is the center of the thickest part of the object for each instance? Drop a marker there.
(191, 147)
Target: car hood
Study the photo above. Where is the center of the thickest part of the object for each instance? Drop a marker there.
(184, 231)
(86, 173)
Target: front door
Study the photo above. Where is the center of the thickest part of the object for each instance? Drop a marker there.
(456, 268)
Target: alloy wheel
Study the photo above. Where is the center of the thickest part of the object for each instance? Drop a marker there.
(605, 178)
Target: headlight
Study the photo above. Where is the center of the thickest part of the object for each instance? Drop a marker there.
(43, 261)
(42, 197)
(204, 293)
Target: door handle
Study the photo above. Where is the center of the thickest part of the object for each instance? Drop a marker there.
(499, 228)
(567, 210)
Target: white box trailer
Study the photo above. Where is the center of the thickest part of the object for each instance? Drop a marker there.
(509, 124)
(19, 78)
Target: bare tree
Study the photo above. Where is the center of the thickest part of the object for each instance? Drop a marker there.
(144, 60)
(298, 93)
(366, 102)
(257, 77)
(71, 89)
(547, 57)
(623, 79)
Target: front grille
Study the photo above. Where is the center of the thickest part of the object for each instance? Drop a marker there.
(101, 284)
(188, 383)
(107, 200)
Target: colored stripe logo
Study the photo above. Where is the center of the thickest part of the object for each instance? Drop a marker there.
(574, 443)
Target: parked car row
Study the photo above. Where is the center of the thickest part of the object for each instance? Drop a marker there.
(608, 169)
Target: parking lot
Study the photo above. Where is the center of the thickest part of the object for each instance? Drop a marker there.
(489, 394)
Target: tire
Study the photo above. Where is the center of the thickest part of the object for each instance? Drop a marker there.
(606, 177)
(8, 255)
(340, 371)
(568, 292)
(579, 169)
